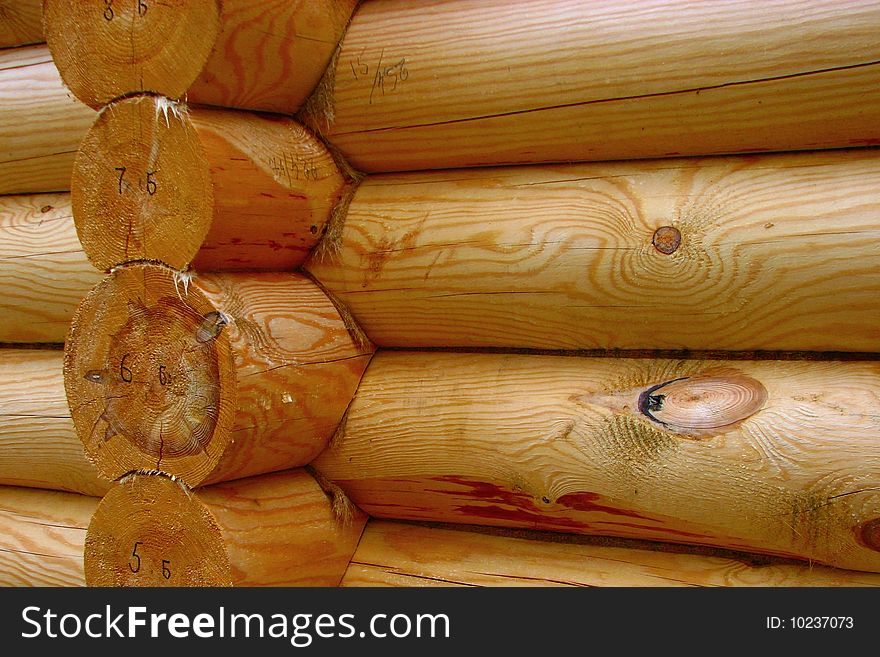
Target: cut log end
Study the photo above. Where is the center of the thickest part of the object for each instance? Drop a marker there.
(149, 375)
(141, 186)
(150, 531)
(106, 50)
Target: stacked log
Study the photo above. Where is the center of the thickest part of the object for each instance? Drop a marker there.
(235, 53)
(274, 530)
(43, 271)
(563, 80)
(41, 125)
(156, 180)
(774, 457)
(773, 252)
(20, 23)
(406, 554)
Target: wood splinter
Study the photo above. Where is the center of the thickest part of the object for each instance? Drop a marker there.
(157, 180)
(208, 378)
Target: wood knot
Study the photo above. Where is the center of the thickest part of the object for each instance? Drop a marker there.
(703, 405)
(870, 534)
(666, 239)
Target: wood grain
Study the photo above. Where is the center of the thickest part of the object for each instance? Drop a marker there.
(272, 530)
(208, 379)
(38, 443)
(776, 252)
(264, 55)
(40, 124)
(156, 180)
(563, 443)
(443, 84)
(43, 270)
(20, 22)
(402, 554)
(43, 537)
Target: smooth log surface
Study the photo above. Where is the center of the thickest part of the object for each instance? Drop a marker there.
(43, 270)
(273, 530)
(770, 252)
(235, 53)
(156, 180)
(445, 84)
(777, 457)
(20, 22)
(43, 536)
(38, 443)
(208, 378)
(41, 125)
(401, 554)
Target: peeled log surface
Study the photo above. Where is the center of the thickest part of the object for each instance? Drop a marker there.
(784, 463)
(20, 22)
(445, 84)
(43, 536)
(43, 270)
(209, 379)
(771, 252)
(40, 124)
(155, 180)
(38, 443)
(235, 53)
(273, 530)
(402, 554)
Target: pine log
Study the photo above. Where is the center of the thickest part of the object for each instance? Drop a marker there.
(403, 554)
(43, 537)
(20, 22)
(777, 457)
(40, 124)
(43, 270)
(770, 252)
(453, 83)
(273, 530)
(155, 180)
(208, 379)
(250, 54)
(38, 443)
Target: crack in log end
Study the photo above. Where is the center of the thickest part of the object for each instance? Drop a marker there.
(869, 534)
(703, 405)
(667, 239)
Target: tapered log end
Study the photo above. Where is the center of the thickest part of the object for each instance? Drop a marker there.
(141, 186)
(150, 531)
(105, 50)
(149, 377)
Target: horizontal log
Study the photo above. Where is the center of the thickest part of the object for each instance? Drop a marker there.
(273, 530)
(402, 554)
(43, 536)
(209, 378)
(777, 457)
(156, 180)
(40, 124)
(444, 84)
(773, 252)
(43, 270)
(38, 442)
(20, 22)
(235, 53)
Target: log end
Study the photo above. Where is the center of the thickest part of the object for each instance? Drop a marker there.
(141, 187)
(150, 531)
(105, 50)
(149, 375)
